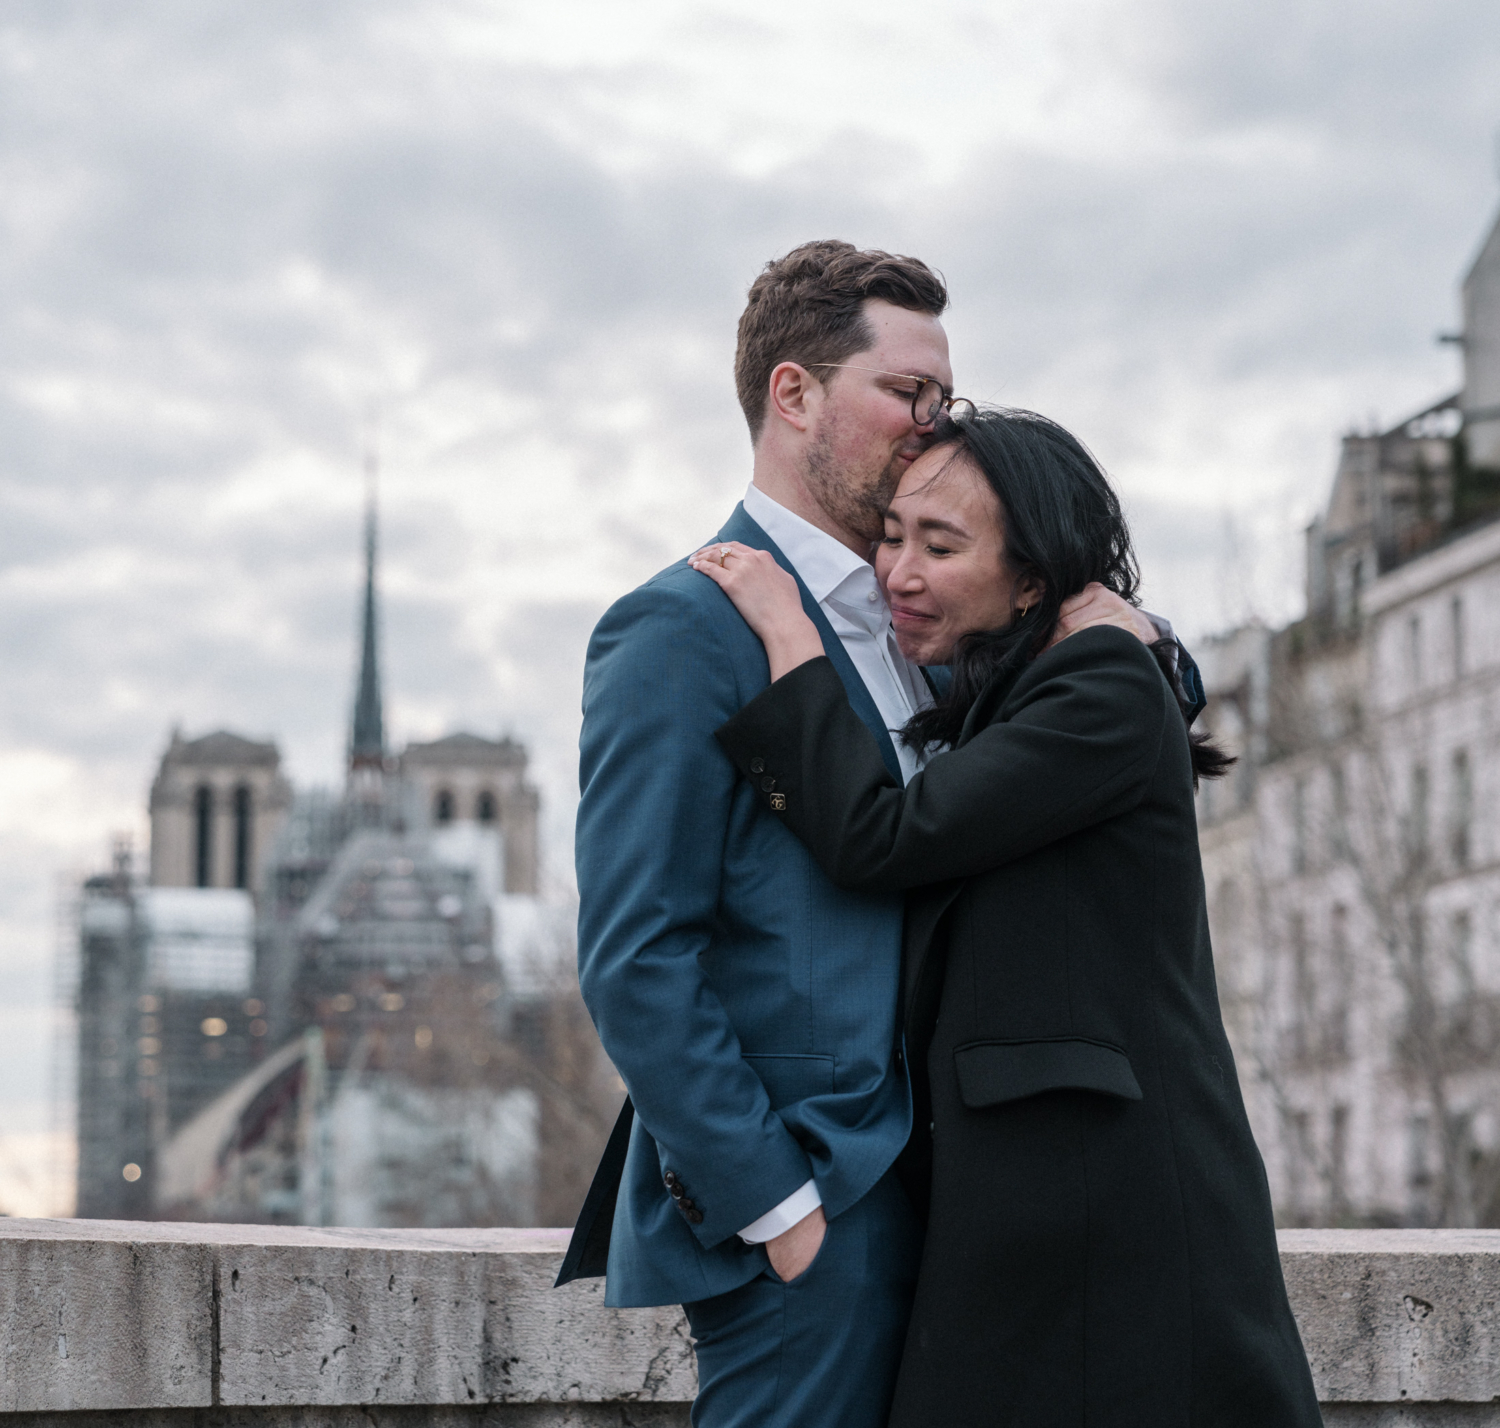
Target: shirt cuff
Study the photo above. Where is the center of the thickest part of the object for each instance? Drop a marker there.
(796, 1207)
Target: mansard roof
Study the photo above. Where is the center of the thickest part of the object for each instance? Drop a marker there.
(467, 750)
(221, 748)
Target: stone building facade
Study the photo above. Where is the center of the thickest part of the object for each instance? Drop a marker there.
(1352, 859)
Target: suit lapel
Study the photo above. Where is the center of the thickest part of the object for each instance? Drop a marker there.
(742, 527)
(991, 698)
(939, 679)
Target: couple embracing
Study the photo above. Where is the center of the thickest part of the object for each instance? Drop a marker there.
(892, 920)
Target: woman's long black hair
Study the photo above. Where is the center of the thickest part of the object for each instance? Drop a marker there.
(1063, 525)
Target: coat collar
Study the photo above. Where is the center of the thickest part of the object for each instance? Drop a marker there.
(994, 694)
(741, 527)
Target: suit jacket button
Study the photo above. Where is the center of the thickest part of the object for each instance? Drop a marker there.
(695, 1217)
(669, 1179)
(757, 766)
(677, 1191)
(767, 784)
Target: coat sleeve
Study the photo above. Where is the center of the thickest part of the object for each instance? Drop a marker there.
(656, 793)
(1075, 743)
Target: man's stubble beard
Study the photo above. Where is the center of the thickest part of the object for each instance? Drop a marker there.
(855, 501)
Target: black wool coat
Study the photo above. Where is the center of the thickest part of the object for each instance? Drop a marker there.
(1100, 1246)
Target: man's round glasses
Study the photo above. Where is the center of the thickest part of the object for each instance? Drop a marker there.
(928, 402)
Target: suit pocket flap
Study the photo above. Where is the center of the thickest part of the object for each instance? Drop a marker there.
(789, 1079)
(992, 1072)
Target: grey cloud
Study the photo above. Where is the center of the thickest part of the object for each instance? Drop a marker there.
(1376, 74)
(168, 164)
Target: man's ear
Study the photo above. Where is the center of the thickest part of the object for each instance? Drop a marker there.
(795, 395)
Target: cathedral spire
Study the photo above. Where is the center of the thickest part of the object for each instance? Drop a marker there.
(367, 744)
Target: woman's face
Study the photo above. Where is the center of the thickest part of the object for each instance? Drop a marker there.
(942, 562)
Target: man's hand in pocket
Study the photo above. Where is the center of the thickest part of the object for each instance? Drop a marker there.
(793, 1250)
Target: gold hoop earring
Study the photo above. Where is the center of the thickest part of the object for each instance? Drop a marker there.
(1021, 611)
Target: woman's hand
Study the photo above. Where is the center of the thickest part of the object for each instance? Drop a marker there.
(768, 599)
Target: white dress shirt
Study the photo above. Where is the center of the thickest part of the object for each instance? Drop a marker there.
(845, 588)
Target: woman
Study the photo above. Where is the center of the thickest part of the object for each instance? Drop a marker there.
(1100, 1246)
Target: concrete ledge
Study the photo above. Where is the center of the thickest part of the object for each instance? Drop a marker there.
(118, 1315)
(1398, 1316)
(492, 1415)
(1410, 1415)
(229, 1326)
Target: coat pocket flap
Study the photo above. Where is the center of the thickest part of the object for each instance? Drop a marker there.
(992, 1072)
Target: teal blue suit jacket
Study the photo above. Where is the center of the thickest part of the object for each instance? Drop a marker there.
(749, 1005)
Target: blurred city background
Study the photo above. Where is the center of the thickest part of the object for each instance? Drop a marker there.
(356, 356)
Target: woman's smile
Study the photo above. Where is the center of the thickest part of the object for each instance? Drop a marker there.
(905, 616)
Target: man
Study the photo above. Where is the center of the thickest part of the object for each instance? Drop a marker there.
(749, 1005)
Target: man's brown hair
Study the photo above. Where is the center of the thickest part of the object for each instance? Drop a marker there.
(808, 308)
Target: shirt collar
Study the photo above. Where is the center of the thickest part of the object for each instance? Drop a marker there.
(823, 562)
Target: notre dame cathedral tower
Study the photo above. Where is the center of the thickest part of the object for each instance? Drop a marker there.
(317, 1006)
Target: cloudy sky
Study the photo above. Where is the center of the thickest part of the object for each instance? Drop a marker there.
(508, 243)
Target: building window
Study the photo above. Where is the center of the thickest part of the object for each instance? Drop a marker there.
(1419, 1168)
(1417, 818)
(1347, 585)
(1456, 619)
(203, 813)
(484, 807)
(1461, 809)
(1338, 1163)
(442, 807)
(1460, 942)
(1299, 827)
(1304, 989)
(1340, 984)
(1338, 812)
(1297, 1141)
(1227, 909)
(242, 835)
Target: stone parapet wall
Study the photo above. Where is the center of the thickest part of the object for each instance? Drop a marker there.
(218, 1326)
